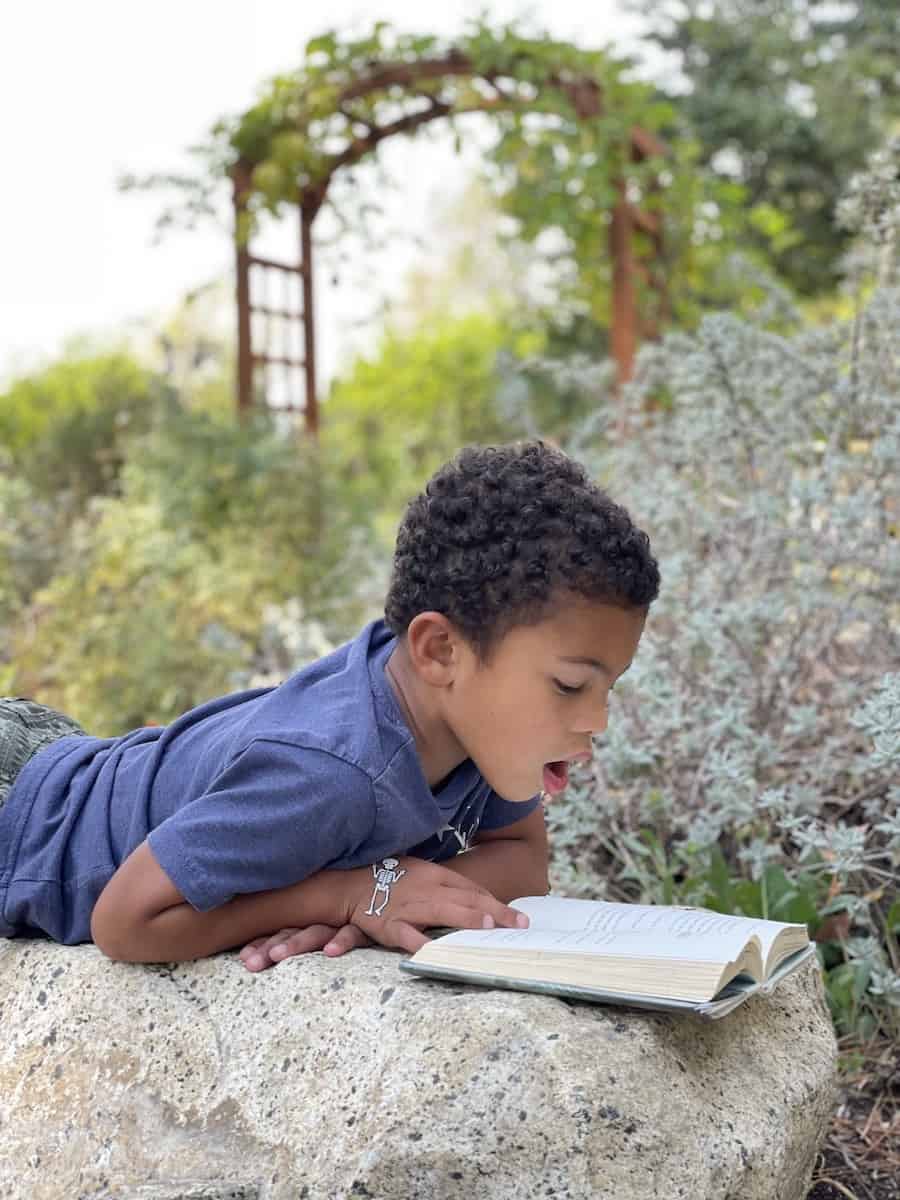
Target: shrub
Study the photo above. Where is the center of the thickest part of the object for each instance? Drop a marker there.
(164, 594)
(752, 754)
(65, 433)
(66, 428)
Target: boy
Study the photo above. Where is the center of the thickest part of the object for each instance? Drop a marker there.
(334, 809)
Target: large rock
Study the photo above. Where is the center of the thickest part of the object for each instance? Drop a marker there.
(326, 1078)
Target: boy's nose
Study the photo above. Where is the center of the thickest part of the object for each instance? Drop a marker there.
(595, 721)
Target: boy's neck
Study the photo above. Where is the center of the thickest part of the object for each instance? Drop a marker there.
(438, 750)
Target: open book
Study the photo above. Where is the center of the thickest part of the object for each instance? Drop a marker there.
(649, 956)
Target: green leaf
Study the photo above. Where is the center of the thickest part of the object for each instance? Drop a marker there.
(839, 988)
(718, 881)
(324, 43)
(748, 898)
(862, 973)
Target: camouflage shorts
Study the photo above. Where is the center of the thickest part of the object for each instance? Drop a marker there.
(26, 728)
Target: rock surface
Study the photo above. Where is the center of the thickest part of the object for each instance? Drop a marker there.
(331, 1078)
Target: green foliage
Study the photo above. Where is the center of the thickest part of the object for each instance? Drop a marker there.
(66, 428)
(31, 532)
(395, 418)
(752, 755)
(308, 122)
(708, 260)
(158, 599)
(797, 94)
(136, 626)
(433, 387)
(564, 117)
(65, 433)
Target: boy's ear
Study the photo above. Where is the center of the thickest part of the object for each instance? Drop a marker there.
(433, 644)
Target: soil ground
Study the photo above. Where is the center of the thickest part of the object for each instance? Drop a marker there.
(860, 1159)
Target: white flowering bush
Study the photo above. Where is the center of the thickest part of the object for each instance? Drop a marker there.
(752, 760)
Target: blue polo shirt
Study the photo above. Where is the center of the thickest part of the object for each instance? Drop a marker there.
(246, 793)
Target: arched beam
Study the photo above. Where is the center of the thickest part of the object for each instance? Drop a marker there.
(585, 96)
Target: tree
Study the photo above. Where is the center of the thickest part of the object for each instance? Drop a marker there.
(66, 427)
(787, 99)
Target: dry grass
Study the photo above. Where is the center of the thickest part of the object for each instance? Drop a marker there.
(861, 1156)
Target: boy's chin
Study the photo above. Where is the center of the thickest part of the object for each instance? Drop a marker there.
(510, 790)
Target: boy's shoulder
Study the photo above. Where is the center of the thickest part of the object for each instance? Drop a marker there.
(339, 706)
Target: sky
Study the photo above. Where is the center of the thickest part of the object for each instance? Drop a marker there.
(97, 88)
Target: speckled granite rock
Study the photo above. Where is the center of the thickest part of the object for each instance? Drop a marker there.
(346, 1078)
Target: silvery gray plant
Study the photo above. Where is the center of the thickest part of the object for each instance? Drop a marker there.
(762, 714)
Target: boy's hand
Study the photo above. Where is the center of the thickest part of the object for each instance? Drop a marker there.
(406, 895)
(265, 952)
(417, 895)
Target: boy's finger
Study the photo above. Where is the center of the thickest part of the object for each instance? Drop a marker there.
(255, 956)
(264, 943)
(301, 941)
(462, 913)
(252, 947)
(483, 904)
(265, 952)
(348, 937)
(473, 894)
(403, 936)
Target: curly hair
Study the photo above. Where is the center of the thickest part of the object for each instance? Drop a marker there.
(500, 533)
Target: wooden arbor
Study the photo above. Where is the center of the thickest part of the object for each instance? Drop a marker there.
(295, 308)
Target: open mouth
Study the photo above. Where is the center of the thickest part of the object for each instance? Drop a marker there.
(556, 776)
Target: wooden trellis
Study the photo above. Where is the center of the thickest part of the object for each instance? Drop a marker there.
(265, 358)
(294, 360)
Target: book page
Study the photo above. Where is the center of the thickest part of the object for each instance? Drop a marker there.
(564, 925)
(610, 940)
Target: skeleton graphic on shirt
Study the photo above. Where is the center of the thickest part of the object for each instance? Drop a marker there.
(463, 836)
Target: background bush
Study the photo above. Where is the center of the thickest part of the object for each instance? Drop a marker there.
(751, 761)
(150, 600)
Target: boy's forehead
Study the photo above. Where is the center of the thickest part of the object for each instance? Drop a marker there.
(591, 632)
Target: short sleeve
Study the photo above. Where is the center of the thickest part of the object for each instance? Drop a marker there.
(277, 814)
(499, 812)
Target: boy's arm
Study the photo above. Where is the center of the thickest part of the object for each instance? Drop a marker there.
(508, 862)
(141, 916)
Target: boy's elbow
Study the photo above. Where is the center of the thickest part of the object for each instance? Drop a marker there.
(533, 868)
(106, 939)
(539, 861)
(126, 908)
(105, 947)
(110, 923)
(131, 943)
(541, 875)
(110, 953)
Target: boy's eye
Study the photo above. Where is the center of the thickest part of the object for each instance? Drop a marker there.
(568, 691)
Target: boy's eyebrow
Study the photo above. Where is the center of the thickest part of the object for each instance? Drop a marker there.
(589, 662)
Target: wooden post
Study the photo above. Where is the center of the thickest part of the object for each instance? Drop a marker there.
(241, 180)
(307, 214)
(623, 333)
